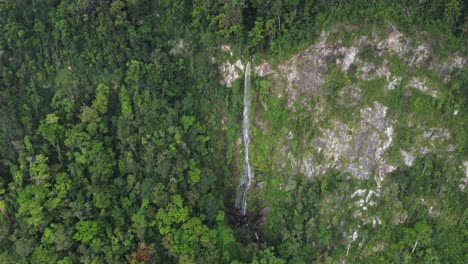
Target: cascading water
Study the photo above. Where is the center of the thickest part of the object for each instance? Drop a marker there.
(246, 180)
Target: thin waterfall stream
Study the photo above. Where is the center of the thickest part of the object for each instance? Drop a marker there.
(247, 175)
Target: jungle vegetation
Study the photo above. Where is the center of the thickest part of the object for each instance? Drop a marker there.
(112, 148)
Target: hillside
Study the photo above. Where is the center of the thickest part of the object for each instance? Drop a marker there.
(360, 146)
(125, 127)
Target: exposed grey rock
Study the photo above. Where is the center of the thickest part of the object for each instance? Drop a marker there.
(436, 133)
(464, 181)
(358, 146)
(303, 73)
(394, 42)
(350, 56)
(178, 47)
(420, 55)
(226, 49)
(400, 218)
(230, 72)
(366, 71)
(444, 69)
(263, 69)
(423, 87)
(358, 151)
(350, 95)
(408, 157)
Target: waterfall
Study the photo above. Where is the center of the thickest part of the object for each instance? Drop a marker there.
(246, 180)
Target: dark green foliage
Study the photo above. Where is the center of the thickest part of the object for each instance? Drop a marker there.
(334, 83)
(97, 96)
(113, 148)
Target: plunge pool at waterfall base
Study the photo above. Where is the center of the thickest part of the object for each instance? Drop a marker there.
(246, 226)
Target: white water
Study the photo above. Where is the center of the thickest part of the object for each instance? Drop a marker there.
(247, 175)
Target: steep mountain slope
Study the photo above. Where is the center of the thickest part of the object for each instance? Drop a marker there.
(377, 122)
(121, 141)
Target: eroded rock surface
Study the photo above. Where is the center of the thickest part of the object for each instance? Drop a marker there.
(263, 69)
(359, 150)
(422, 86)
(356, 147)
(304, 72)
(358, 144)
(231, 72)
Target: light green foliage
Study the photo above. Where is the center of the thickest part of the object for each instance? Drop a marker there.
(86, 230)
(267, 256)
(48, 236)
(194, 234)
(62, 185)
(174, 213)
(39, 171)
(43, 256)
(31, 204)
(194, 171)
(187, 121)
(2, 206)
(51, 119)
(101, 102)
(451, 13)
(125, 102)
(182, 235)
(256, 34)
(336, 80)
(139, 221)
(89, 115)
(51, 129)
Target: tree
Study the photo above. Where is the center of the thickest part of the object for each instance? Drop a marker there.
(183, 235)
(51, 130)
(39, 171)
(86, 230)
(31, 205)
(42, 255)
(267, 256)
(101, 102)
(452, 13)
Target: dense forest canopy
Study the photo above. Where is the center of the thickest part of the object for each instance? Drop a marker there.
(113, 149)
